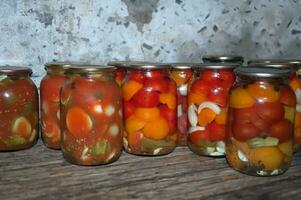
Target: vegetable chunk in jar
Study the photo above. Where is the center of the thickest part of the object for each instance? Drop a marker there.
(182, 74)
(207, 108)
(149, 110)
(261, 115)
(120, 72)
(223, 59)
(91, 115)
(50, 89)
(18, 109)
(295, 84)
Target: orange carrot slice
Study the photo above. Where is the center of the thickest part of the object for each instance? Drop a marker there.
(22, 127)
(78, 122)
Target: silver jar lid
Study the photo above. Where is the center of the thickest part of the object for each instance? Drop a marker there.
(15, 70)
(90, 69)
(181, 65)
(148, 65)
(223, 58)
(264, 72)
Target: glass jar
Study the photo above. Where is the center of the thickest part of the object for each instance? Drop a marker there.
(120, 72)
(260, 128)
(149, 110)
(207, 108)
(91, 115)
(18, 109)
(182, 74)
(223, 59)
(295, 83)
(50, 88)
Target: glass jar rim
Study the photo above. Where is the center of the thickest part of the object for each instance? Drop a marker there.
(90, 69)
(202, 66)
(182, 65)
(148, 65)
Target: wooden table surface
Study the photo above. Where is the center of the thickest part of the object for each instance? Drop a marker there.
(40, 173)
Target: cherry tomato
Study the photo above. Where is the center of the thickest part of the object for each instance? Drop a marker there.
(281, 130)
(172, 87)
(197, 136)
(269, 111)
(210, 76)
(218, 95)
(200, 86)
(287, 96)
(50, 88)
(137, 75)
(158, 84)
(227, 75)
(153, 74)
(128, 109)
(216, 132)
(244, 132)
(146, 98)
(170, 115)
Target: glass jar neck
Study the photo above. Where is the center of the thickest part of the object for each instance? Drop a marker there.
(243, 79)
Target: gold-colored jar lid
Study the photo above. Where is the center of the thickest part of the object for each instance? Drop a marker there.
(202, 66)
(148, 65)
(264, 72)
(89, 69)
(181, 65)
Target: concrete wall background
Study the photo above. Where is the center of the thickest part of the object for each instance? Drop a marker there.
(33, 32)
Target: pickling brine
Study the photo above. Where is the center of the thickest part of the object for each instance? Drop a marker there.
(18, 109)
(182, 74)
(207, 108)
(261, 116)
(91, 116)
(50, 88)
(149, 110)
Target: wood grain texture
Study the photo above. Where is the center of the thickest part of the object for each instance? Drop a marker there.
(41, 173)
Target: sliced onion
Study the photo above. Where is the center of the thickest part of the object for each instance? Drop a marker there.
(192, 116)
(207, 104)
(196, 128)
(183, 89)
(298, 95)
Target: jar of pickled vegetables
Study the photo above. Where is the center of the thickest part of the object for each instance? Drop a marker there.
(207, 108)
(223, 59)
(182, 74)
(91, 115)
(260, 128)
(50, 88)
(120, 72)
(295, 83)
(149, 110)
(18, 109)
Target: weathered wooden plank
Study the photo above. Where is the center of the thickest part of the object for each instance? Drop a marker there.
(40, 173)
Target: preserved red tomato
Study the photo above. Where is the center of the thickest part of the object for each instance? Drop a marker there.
(120, 72)
(259, 139)
(149, 110)
(207, 111)
(50, 89)
(182, 74)
(18, 109)
(91, 115)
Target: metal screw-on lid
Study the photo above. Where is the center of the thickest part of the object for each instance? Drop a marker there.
(90, 69)
(148, 65)
(217, 66)
(292, 62)
(273, 65)
(58, 66)
(119, 63)
(15, 70)
(181, 65)
(264, 72)
(223, 58)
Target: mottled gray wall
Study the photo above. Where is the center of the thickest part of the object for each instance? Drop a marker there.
(33, 32)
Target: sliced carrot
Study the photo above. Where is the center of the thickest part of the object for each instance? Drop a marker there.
(130, 88)
(157, 129)
(22, 127)
(147, 114)
(264, 92)
(169, 99)
(78, 122)
(206, 116)
(133, 124)
(240, 98)
(195, 98)
(221, 118)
